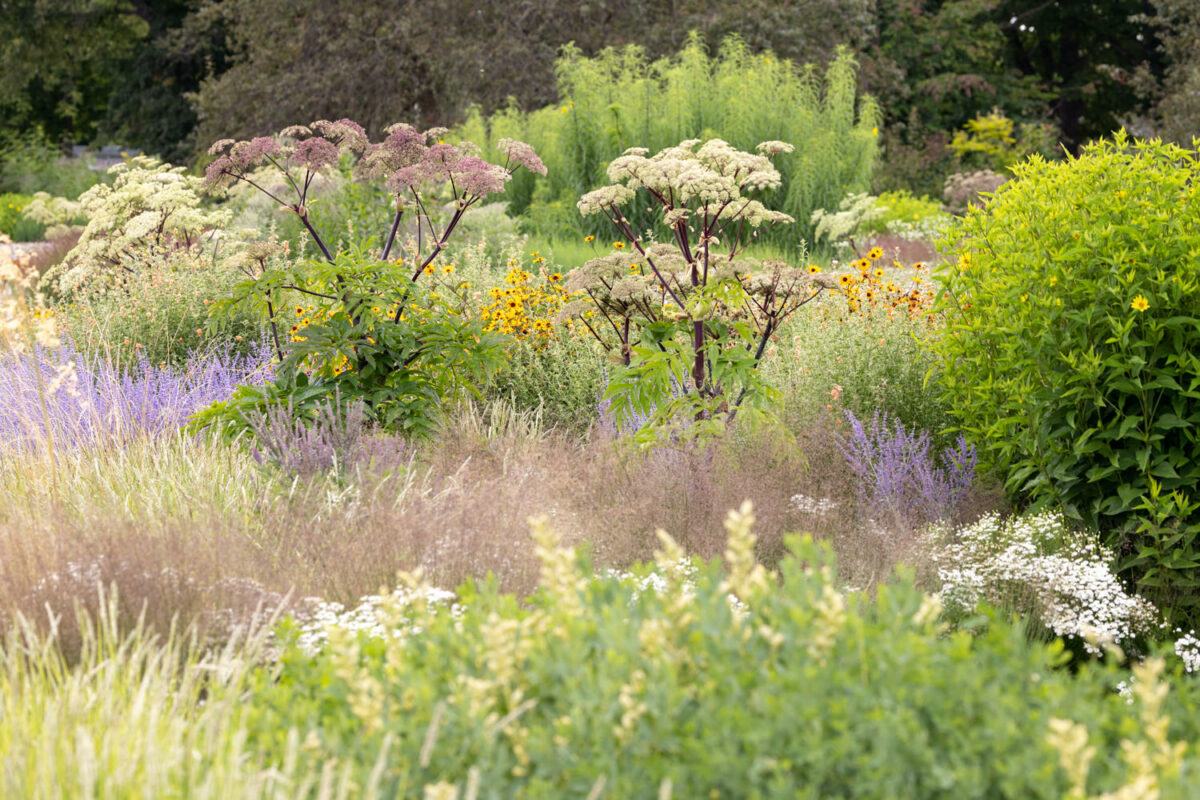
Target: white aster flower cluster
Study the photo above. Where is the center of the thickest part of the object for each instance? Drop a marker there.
(1187, 647)
(657, 582)
(811, 505)
(1039, 565)
(376, 615)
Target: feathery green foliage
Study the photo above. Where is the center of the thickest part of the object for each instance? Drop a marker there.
(620, 99)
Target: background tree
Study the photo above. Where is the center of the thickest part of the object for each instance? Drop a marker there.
(60, 61)
(429, 61)
(1176, 113)
(1084, 56)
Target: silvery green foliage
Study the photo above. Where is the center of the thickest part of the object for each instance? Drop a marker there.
(150, 205)
(855, 213)
(1037, 564)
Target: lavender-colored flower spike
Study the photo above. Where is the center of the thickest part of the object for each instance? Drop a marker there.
(898, 475)
(520, 154)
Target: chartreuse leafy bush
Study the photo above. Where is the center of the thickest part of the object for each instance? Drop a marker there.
(1071, 349)
(387, 329)
(689, 680)
(13, 222)
(619, 99)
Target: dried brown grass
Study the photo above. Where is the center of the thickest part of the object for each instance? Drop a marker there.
(459, 511)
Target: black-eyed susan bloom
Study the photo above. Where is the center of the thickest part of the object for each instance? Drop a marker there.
(618, 245)
(875, 253)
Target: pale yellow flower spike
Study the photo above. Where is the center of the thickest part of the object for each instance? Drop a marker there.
(1148, 760)
(671, 557)
(441, 791)
(559, 576)
(1070, 739)
(746, 576)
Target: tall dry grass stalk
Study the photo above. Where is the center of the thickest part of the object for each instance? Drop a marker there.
(191, 529)
(139, 714)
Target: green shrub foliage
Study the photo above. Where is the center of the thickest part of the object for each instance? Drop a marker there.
(1070, 352)
(698, 681)
(620, 99)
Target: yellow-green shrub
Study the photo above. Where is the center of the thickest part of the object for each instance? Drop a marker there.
(1071, 350)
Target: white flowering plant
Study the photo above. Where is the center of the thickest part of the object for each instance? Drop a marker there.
(1037, 564)
(688, 319)
(150, 211)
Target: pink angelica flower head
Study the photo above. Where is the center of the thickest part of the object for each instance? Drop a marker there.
(316, 153)
(345, 133)
(440, 157)
(405, 178)
(402, 148)
(238, 159)
(520, 154)
(217, 175)
(246, 155)
(475, 177)
(435, 165)
(219, 146)
(296, 132)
